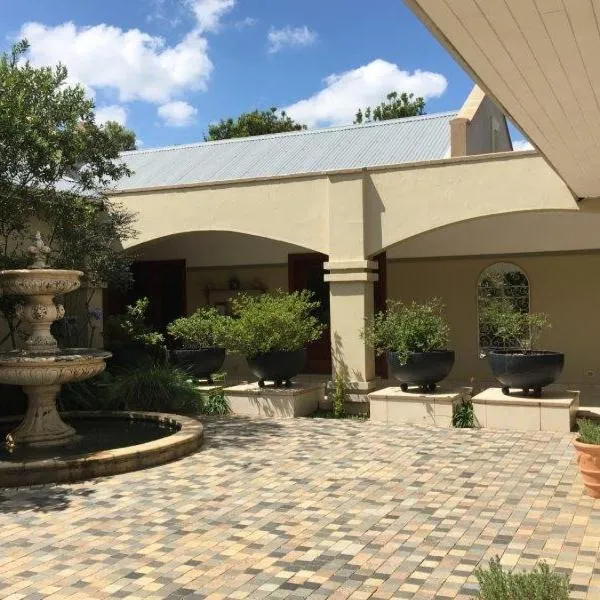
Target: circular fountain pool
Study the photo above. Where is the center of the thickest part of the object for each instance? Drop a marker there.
(107, 443)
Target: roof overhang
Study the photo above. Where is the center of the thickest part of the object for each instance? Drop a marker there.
(539, 59)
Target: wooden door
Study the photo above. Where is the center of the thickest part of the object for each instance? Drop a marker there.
(305, 272)
(163, 282)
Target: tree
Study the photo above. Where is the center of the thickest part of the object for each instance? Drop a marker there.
(253, 123)
(397, 106)
(124, 138)
(55, 165)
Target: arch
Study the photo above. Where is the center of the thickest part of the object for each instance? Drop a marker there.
(502, 287)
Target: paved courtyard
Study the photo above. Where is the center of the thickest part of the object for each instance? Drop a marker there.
(308, 508)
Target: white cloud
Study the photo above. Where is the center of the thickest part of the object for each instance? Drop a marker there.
(137, 65)
(519, 145)
(337, 103)
(177, 114)
(209, 12)
(112, 112)
(290, 36)
(245, 22)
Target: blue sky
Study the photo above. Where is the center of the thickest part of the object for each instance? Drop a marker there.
(168, 68)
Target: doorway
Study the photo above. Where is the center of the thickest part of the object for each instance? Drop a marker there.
(305, 272)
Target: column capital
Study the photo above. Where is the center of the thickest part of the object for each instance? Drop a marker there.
(351, 270)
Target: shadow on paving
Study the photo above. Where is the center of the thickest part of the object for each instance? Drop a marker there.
(40, 498)
(238, 432)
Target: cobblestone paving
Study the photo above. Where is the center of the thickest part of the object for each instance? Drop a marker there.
(308, 508)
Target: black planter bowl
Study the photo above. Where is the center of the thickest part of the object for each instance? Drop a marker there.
(424, 369)
(529, 371)
(278, 366)
(201, 362)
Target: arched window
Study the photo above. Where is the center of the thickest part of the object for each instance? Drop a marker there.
(501, 284)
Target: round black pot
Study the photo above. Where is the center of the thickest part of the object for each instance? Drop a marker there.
(424, 369)
(201, 363)
(129, 357)
(528, 371)
(278, 366)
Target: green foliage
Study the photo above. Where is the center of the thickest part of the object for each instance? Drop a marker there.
(463, 415)
(274, 321)
(253, 123)
(539, 584)
(214, 402)
(160, 388)
(130, 329)
(396, 106)
(339, 396)
(406, 328)
(589, 431)
(48, 139)
(91, 394)
(123, 137)
(509, 327)
(206, 328)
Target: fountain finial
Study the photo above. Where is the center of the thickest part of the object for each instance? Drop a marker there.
(39, 251)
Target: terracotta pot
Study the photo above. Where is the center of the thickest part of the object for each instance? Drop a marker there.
(588, 460)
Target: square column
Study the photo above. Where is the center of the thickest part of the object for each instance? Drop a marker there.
(351, 302)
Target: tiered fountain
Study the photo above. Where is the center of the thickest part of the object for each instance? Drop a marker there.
(41, 367)
(43, 448)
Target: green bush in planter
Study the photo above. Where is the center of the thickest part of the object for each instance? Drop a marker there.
(206, 328)
(131, 330)
(272, 322)
(505, 326)
(589, 431)
(406, 328)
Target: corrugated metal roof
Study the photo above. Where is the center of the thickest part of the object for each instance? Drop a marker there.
(396, 141)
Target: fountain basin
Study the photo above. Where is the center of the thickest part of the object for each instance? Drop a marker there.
(102, 453)
(39, 282)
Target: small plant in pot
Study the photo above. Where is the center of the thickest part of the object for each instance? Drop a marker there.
(514, 359)
(200, 337)
(587, 446)
(415, 339)
(272, 331)
(131, 340)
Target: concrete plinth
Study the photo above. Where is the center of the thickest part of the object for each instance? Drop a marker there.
(555, 411)
(392, 405)
(251, 400)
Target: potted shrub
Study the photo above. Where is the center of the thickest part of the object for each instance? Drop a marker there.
(587, 446)
(516, 363)
(200, 337)
(131, 341)
(415, 339)
(272, 331)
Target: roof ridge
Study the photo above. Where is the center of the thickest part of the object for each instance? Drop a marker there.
(319, 130)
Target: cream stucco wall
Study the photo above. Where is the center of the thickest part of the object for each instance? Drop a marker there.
(565, 286)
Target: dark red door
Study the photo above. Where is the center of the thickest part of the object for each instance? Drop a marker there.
(305, 272)
(163, 282)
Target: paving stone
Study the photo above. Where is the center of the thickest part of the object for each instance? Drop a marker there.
(309, 508)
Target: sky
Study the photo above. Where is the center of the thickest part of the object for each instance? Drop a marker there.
(169, 68)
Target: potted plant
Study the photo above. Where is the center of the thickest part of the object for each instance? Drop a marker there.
(272, 331)
(130, 339)
(587, 446)
(200, 337)
(415, 338)
(513, 359)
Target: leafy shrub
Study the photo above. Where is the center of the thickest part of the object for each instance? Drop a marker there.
(589, 431)
(406, 328)
(508, 327)
(160, 388)
(91, 394)
(339, 396)
(204, 329)
(539, 584)
(270, 322)
(214, 403)
(463, 415)
(131, 329)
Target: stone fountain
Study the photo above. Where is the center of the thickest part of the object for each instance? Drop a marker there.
(41, 367)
